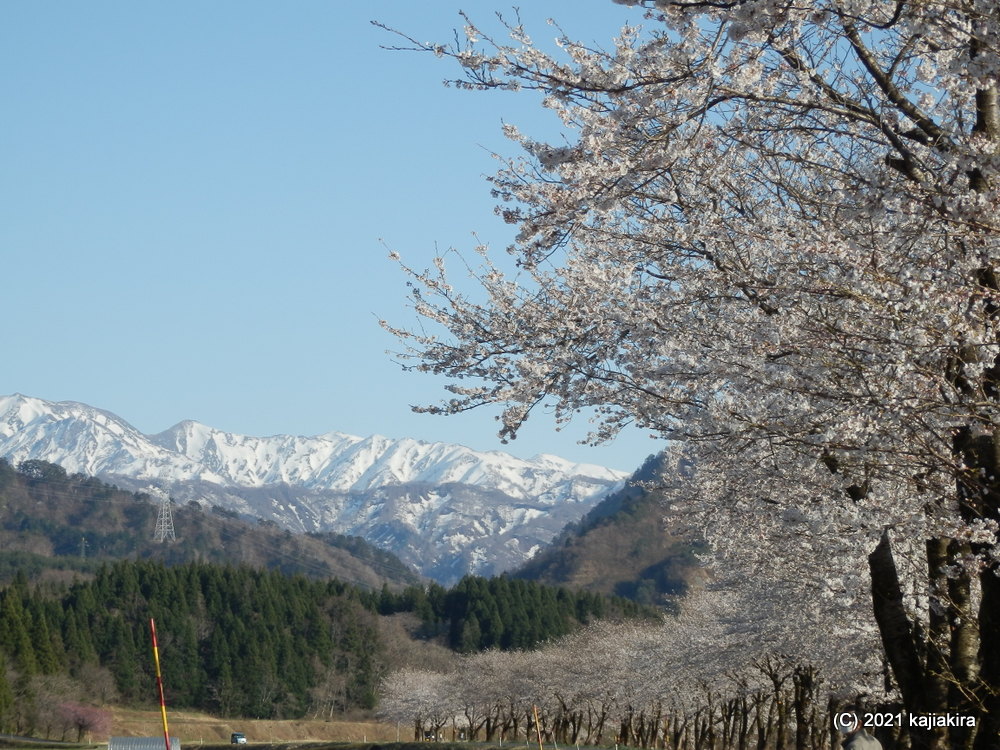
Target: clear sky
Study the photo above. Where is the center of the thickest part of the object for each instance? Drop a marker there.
(194, 198)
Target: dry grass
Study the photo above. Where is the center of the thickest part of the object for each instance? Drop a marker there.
(193, 728)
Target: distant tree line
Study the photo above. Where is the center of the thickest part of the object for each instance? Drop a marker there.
(240, 641)
(504, 613)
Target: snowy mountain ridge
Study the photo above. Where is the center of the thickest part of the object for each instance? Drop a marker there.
(346, 463)
(465, 510)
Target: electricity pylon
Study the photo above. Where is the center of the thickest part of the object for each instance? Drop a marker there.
(164, 523)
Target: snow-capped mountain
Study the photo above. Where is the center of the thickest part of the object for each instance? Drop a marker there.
(445, 509)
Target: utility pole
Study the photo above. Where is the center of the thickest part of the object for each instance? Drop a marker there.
(164, 523)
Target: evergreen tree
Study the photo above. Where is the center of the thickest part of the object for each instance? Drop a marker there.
(121, 655)
(41, 638)
(470, 635)
(14, 634)
(6, 694)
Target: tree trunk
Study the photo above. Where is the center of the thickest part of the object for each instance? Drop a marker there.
(988, 732)
(936, 644)
(979, 498)
(803, 681)
(899, 640)
(964, 649)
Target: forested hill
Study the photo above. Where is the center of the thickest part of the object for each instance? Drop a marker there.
(238, 641)
(504, 613)
(52, 520)
(622, 547)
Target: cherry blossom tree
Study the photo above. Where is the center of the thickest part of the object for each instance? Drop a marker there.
(87, 720)
(770, 234)
(719, 675)
(421, 696)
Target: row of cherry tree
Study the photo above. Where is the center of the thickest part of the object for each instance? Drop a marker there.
(718, 676)
(769, 234)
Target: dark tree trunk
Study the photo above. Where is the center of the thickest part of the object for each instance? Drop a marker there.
(979, 498)
(803, 681)
(899, 640)
(988, 732)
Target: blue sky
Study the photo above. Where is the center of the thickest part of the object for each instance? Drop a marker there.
(194, 199)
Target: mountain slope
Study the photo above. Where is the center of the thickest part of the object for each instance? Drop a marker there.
(86, 520)
(445, 509)
(622, 547)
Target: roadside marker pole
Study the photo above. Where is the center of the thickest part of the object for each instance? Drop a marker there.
(159, 683)
(538, 727)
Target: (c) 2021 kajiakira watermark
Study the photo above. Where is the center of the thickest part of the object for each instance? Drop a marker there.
(845, 721)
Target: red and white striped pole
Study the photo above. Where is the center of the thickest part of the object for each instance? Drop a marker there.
(159, 684)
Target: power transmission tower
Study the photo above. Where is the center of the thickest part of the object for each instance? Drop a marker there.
(164, 523)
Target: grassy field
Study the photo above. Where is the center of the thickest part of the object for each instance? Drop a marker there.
(202, 729)
(212, 733)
